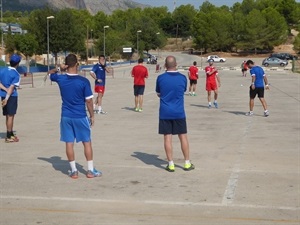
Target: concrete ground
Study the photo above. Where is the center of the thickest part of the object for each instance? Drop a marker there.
(247, 168)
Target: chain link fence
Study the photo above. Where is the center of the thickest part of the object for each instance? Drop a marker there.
(296, 66)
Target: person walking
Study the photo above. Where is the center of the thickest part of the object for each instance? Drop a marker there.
(170, 88)
(10, 80)
(99, 74)
(193, 77)
(76, 94)
(244, 68)
(213, 82)
(258, 85)
(139, 73)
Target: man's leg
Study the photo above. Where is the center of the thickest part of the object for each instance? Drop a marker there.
(264, 103)
(136, 101)
(141, 98)
(99, 101)
(71, 157)
(215, 95)
(184, 146)
(194, 87)
(168, 146)
(10, 122)
(251, 104)
(209, 98)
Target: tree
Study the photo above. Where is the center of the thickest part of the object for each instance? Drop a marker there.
(297, 43)
(27, 45)
(183, 17)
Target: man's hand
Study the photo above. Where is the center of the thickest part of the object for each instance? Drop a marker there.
(267, 87)
(4, 102)
(92, 121)
(252, 86)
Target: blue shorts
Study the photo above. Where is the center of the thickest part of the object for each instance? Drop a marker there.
(138, 90)
(177, 126)
(75, 128)
(11, 106)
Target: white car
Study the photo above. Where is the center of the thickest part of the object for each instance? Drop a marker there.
(216, 58)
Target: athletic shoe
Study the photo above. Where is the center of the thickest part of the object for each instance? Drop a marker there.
(136, 109)
(140, 110)
(209, 106)
(73, 175)
(190, 94)
(12, 139)
(194, 94)
(266, 113)
(94, 173)
(170, 168)
(216, 105)
(102, 112)
(188, 166)
(249, 113)
(97, 111)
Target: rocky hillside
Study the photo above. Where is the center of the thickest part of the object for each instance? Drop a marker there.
(94, 6)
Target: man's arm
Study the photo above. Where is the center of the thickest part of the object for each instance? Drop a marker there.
(219, 80)
(9, 91)
(266, 82)
(89, 105)
(253, 81)
(2, 87)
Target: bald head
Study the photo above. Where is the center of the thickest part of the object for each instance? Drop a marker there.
(170, 63)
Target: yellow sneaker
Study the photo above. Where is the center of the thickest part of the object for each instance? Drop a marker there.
(188, 167)
(170, 168)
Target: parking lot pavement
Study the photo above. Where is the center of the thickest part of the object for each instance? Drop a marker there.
(247, 168)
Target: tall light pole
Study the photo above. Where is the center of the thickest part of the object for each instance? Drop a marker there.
(92, 43)
(158, 33)
(137, 41)
(48, 48)
(105, 27)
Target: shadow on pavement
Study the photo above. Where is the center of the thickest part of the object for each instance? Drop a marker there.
(200, 106)
(238, 113)
(150, 159)
(62, 165)
(128, 108)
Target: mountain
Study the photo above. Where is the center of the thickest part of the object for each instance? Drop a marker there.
(93, 6)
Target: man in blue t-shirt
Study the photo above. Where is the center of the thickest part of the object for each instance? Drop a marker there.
(259, 81)
(75, 93)
(170, 88)
(99, 74)
(10, 80)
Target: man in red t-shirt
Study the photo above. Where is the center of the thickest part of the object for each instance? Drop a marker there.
(193, 76)
(212, 82)
(139, 73)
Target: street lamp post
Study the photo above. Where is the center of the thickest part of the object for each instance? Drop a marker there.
(104, 39)
(48, 48)
(92, 43)
(137, 41)
(158, 33)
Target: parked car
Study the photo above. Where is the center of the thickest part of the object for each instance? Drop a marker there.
(273, 61)
(284, 56)
(216, 58)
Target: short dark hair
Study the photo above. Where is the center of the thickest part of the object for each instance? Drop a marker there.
(101, 56)
(194, 63)
(140, 60)
(71, 60)
(250, 62)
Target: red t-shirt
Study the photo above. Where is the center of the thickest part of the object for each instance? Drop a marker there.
(139, 72)
(193, 73)
(212, 77)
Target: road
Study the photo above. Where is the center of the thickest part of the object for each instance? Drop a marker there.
(247, 168)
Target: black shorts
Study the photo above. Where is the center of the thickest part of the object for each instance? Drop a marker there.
(138, 90)
(172, 126)
(193, 82)
(11, 107)
(259, 91)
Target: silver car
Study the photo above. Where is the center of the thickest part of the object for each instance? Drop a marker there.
(273, 61)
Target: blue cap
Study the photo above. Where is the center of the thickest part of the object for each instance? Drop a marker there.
(15, 58)
(210, 60)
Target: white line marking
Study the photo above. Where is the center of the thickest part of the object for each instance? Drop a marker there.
(153, 202)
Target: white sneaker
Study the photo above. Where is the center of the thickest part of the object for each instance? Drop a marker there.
(266, 113)
(102, 112)
(249, 113)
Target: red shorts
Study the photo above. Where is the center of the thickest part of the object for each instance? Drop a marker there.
(100, 89)
(211, 86)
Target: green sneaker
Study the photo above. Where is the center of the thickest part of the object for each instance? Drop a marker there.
(170, 168)
(140, 110)
(188, 167)
(136, 109)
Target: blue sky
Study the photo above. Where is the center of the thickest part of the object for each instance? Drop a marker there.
(196, 3)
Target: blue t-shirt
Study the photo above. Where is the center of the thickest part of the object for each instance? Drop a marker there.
(259, 74)
(171, 87)
(74, 90)
(100, 72)
(9, 76)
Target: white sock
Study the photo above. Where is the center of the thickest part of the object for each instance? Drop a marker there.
(209, 103)
(90, 165)
(187, 162)
(73, 166)
(94, 106)
(215, 101)
(171, 163)
(99, 108)
(193, 92)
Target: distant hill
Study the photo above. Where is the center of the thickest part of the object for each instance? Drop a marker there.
(93, 6)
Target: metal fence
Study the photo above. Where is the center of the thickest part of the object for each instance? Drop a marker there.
(296, 66)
